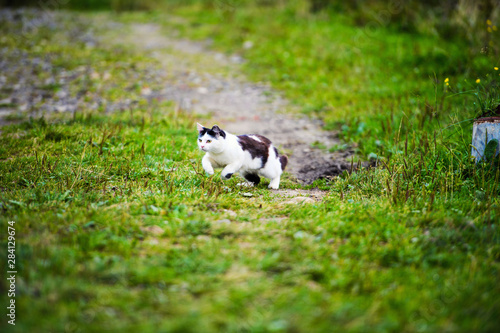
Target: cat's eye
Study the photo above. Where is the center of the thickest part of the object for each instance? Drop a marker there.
(199, 140)
(208, 141)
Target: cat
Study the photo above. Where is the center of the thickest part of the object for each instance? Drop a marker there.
(251, 156)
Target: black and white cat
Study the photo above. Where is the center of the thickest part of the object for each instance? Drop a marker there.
(249, 155)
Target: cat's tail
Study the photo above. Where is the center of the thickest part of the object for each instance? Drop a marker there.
(283, 162)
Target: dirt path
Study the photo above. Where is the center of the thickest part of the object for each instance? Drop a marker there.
(237, 105)
(197, 79)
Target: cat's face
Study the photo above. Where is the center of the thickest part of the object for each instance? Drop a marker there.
(211, 140)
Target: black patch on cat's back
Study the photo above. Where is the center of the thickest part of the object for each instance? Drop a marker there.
(257, 149)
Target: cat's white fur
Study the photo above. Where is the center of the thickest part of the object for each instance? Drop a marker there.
(228, 154)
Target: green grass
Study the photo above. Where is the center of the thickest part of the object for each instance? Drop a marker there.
(118, 228)
(373, 82)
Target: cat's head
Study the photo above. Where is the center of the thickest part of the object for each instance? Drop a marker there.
(211, 140)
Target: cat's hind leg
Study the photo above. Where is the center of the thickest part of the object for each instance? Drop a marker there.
(272, 171)
(275, 183)
(252, 178)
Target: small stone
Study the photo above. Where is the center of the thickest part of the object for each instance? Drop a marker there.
(300, 234)
(146, 91)
(62, 94)
(299, 200)
(247, 44)
(237, 59)
(7, 100)
(202, 90)
(61, 108)
(153, 241)
(230, 213)
(219, 56)
(223, 221)
(153, 229)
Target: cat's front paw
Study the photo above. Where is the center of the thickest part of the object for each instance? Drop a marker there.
(227, 176)
(210, 172)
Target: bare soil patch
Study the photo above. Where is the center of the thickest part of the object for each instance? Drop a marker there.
(314, 194)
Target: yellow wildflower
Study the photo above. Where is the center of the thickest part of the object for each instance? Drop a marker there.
(478, 80)
(489, 29)
(488, 22)
(495, 68)
(494, 28)
(446, 80)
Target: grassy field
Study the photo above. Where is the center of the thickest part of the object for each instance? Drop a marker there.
(118, 228)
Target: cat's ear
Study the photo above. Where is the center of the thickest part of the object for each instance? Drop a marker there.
(218, 132)
(200, 127)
